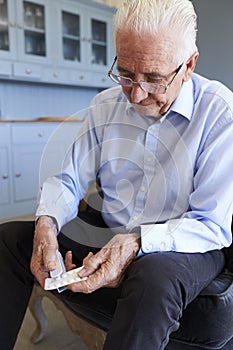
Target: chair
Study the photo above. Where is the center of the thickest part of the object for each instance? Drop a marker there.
(207, 323)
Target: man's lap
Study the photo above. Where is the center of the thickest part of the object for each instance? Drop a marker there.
(194, 271)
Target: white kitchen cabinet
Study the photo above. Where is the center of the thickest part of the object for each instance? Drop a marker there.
(56, 41)
(29, 153)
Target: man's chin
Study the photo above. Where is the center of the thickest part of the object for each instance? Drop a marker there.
(148, 111)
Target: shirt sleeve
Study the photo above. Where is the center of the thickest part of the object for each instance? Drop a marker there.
(60, 195)
(182, 235)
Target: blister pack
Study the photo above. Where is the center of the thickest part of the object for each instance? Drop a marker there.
(60, 278)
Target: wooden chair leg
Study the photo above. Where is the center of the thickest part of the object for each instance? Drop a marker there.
(35, 306)
(92, 336)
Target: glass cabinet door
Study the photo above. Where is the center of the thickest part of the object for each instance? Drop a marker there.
(98, 42)
(34, 29)
(85, 36)
(4, 29)
(23, 29)
(71, 36)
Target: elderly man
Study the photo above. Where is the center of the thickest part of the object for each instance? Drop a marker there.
(160, 146)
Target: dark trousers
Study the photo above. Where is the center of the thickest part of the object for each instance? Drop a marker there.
(144, 310)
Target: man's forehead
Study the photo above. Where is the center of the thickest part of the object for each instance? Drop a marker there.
(153, 66)
(151, 54)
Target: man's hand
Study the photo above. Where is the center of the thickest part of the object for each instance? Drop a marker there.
(108, 266)
(44, 249)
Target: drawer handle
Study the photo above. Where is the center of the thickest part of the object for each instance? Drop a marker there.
(28, 70)
(18, 174)
(40, 134)
(5, 176)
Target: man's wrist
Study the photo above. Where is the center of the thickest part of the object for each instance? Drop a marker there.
(46, 220)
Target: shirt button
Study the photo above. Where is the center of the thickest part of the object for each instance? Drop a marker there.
(149, 159)
(135, 218)
(149, 247)
(143, 188)
(162, 246)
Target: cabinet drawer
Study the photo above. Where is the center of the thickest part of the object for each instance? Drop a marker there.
(4, 133)
(27, 70)
(55, 75)
(32, 133)
(81, 77)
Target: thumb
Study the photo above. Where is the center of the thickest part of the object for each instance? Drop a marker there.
(50, 257)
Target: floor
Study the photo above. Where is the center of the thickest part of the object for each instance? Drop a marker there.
(58, 337)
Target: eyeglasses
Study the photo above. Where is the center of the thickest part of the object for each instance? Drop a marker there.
(152, 88)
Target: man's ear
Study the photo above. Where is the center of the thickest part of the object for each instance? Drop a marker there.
(190, 66)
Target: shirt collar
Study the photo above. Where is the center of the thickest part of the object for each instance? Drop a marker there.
(184, 102)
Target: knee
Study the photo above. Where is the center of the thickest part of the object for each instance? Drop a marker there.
(156, 273)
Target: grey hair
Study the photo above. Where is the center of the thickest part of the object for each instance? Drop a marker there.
(175, 17)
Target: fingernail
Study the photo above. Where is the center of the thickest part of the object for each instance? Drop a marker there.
(52, 265)
(82, 272)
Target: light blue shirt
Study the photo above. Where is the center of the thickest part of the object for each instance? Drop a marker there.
(172, 178)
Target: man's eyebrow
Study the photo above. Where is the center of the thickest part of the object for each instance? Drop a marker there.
(155, 75)
(121, 69)
(148, 74)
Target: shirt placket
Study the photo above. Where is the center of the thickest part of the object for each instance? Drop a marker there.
(149, 171)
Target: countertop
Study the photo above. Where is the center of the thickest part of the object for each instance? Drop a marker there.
(44, 119)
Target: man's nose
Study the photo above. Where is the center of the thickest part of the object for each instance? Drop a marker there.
(137, 94)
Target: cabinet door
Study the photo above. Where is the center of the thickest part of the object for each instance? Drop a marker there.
(86, 39)
(7, 29)
(98, 41)
(38, 152)
(26, 161)
(98, 29)
(4, 175)
(24, 29)
(28, 170)
(70, 33)
(32, 30)
(28, 141)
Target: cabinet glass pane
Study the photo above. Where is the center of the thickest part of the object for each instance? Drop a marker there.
(4, 33)
(70, 24)
(34, 33)
(99, 55)
(99, 31)
(99, 42)
(71, 36)
(34, 43)
(71, 49)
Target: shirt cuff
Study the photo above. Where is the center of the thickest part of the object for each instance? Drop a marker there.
(155, 238)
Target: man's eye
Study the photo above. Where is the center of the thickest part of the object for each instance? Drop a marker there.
(155, 80)
(128, 76)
